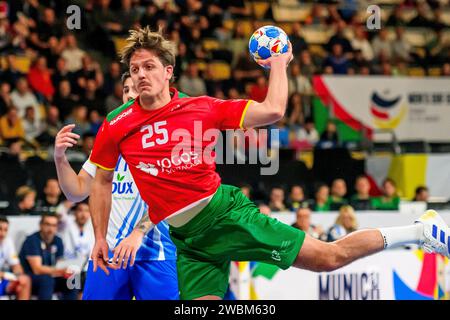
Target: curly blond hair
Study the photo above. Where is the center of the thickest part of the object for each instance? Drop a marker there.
(145, 38)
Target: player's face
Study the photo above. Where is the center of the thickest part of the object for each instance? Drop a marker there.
(128, 92)
(150, 77)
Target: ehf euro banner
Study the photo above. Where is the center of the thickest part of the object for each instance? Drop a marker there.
(413, 108)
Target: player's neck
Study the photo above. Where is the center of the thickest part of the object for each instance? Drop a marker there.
(155, 102)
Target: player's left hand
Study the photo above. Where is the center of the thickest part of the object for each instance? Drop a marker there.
(284, 59)
(126, 250)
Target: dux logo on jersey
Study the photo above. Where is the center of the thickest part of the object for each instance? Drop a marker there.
(148, 168)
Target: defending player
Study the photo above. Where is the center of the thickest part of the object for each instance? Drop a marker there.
(152, 273)
(210, 223)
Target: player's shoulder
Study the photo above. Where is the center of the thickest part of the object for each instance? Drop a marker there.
(124, 108)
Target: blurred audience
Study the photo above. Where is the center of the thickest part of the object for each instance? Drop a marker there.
(346, 222)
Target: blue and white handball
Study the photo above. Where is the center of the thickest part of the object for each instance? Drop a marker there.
(266, 42)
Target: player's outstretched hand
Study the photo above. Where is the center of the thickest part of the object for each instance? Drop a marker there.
(65, 139)
(126, 250)
(284, 59)
(99, 255)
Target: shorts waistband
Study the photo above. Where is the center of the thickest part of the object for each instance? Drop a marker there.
(202, 221)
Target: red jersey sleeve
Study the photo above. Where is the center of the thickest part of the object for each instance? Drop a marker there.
(106, 151)
(229, 113)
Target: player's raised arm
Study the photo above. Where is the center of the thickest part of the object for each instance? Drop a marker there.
(75, 187)
(273, 107)
(104, 155)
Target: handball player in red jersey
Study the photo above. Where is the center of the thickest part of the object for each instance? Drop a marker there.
(166, 142)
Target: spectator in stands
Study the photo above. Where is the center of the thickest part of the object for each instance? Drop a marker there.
(11, 126)
(245, 71)
(39, 78)
(92, 98)
(361, 200)
(338, 193)
(421, 194)
(64, 99)
(346, 222)
(5, 97)
(307, 67)
(10, 73)
(340, 38)
(24, 203)
(114, 100)
(111, 78)
(321, 200)
(438, 49)
(258, 91)
(317, 15)
(51, 126)
(338, 61)
(438, 22)
(421, 19)
(238, 43)
(12, 170)
(51, 197)
(360, 42)
(79, 117)
(348, 9)
(47, 27)
(276, 202)
(296, 198)
(39, 256)
(396, 18)
(390, 199)
(77, 233)
(128, 15)
(284, 134)
(294, 113)
(60, 73)
(382, 46)
(246, 189)
(191, 83)
(32, 126)
(264, 209)
(401, 48)
(308, 133)
(72, 54)
(298, 42)
(298, 82)
(445, 70)
(329, 138)
(90, 69)
(22, 97)
(303, 222)
(15, 283)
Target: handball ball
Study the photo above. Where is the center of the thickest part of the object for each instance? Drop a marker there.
(266, 42)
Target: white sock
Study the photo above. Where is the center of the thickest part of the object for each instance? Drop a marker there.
(398, 236)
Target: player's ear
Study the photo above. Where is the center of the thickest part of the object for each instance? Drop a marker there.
(169, 72)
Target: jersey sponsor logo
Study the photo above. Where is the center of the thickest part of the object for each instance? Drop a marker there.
(148, 168)
(122, 188)
(185, 161)
(121, 116)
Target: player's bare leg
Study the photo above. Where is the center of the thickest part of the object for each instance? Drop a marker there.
(316, 255)
(429, 231)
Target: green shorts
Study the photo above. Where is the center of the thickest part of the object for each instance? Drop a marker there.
(229, 228)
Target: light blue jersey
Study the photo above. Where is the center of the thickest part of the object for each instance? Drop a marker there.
(127, 209)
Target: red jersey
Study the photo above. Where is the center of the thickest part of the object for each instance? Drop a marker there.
(171, 163)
